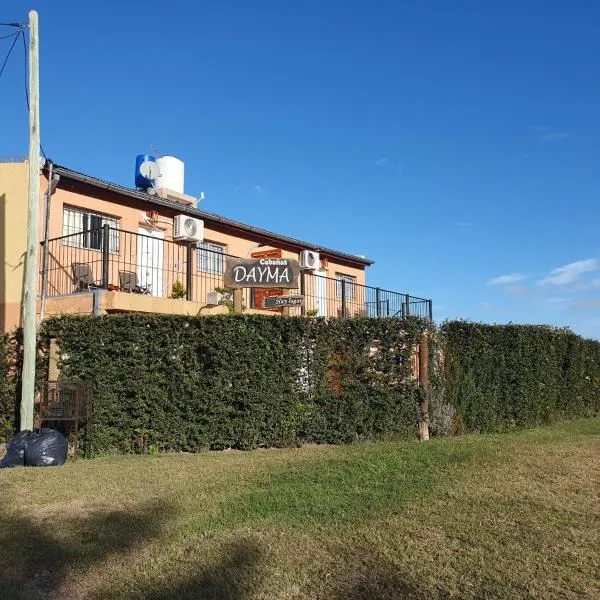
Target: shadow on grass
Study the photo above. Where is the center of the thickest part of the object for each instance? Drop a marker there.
(37, 564)
(239, 575)
(374, 578)
(235, 577)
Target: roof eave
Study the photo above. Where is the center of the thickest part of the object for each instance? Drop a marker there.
(248, 229)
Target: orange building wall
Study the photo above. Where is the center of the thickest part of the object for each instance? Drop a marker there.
(131, 216)
(13, 241)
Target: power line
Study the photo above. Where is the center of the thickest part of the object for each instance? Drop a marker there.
(25, 59)
(9, 53)
(17, 35)
(9, 35)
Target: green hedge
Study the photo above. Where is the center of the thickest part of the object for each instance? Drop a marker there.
(186, 384)
(8, 387)
(500, 376)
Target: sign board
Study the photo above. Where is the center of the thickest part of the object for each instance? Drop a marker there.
(262, 273)
(281, 301)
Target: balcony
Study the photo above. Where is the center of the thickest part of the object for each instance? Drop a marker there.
(110, 270)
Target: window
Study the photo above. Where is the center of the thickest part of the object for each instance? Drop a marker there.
(211, 258)
(89, 226)
(350, 282)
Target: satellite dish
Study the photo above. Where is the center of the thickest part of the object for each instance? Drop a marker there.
(149, 170)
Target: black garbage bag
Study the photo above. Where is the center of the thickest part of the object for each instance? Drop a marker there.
(48, 449)
(15, 451)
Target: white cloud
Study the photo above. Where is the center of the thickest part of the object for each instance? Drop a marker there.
(259, 188)
(571, 272)
(539, 128)
(556, 300)
(507, 279)
(554, 136)
(400, 169)
(381, 162)
(464, 224)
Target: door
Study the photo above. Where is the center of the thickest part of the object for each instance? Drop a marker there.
(259, 294)
(320, 280)
(150, 260)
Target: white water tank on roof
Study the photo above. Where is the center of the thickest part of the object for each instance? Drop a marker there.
(172, 174)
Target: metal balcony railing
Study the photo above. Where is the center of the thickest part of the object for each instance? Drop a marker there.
(113, 259)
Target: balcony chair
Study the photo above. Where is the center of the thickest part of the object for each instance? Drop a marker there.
(83, 278)
(129, 283)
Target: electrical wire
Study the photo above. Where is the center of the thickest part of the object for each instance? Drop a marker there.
(9, 53)
(8, 36)
(25, 59)
(17, 35)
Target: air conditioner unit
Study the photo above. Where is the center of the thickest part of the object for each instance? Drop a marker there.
(309, 259)
(188, 229)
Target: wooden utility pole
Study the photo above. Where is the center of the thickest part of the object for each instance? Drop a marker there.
(31, 266)
(424, 382)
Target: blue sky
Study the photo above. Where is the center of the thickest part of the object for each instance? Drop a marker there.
(455, 143)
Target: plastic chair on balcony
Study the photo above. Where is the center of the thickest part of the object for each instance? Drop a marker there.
(129, 283)
(83, 278)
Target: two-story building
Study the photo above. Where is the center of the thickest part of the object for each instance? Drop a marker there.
(106, 248)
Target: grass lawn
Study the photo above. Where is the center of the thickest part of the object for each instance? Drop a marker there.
(494, 516)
